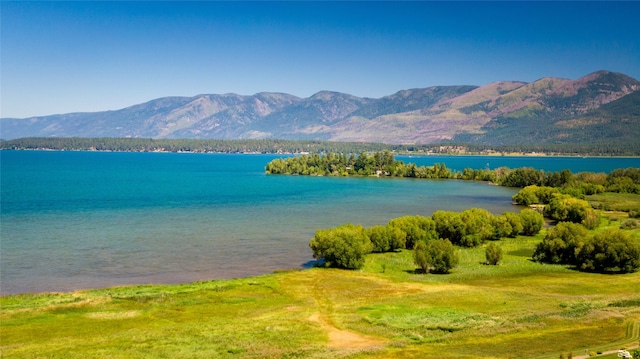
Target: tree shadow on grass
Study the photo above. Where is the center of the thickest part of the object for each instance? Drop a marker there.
(485, 263)
(420, 271)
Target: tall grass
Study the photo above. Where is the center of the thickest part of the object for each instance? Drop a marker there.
(519, 309)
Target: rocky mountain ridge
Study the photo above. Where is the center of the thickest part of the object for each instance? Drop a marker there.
(548, 110)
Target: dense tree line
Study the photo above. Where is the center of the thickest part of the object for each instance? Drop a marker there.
(563, 193)
(188, 145)
(431, 238)
(340, 164)
(609, 148)
(589, 148)
(609, 251)
(434, 239)
(384, 164)
(624, 180)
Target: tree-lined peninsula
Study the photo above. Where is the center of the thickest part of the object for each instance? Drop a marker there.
(560, 196)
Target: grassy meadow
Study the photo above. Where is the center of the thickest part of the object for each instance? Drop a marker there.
(615, 201)
(517, 309)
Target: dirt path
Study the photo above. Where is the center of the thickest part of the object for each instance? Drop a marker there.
(344, 339)
(338, 338)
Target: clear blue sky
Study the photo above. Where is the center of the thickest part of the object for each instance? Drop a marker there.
(60, 57)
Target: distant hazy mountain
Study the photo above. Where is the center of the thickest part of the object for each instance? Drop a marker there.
(600, 106)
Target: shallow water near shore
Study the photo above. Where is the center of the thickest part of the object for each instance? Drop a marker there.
(76, 220)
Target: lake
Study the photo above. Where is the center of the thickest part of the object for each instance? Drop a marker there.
(76, 220)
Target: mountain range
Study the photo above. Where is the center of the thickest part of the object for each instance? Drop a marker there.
(599, 107)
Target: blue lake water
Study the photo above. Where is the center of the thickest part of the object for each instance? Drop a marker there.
(74, 220)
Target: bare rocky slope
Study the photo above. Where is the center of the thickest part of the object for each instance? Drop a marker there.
(601, 105)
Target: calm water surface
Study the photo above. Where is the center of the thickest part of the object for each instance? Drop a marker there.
(73, 220)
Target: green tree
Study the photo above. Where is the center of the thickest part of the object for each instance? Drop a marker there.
(526, 196)
(342, 247)
(514, 220)
(436, 256)
(386, 238)
(493, 254)
(449, 225)
(534, 194)
(397, 238)
(624, 180)
(379, 239)
(591, 219)
(417, 228)
(532, 221)
(564, 207)
(522, 177)
(364, 165)
(501, 227)
(478, 226)
(560, 179)
(470, 228)
(613, 251)
(561, 244)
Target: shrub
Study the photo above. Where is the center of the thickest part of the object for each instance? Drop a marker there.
(493, 254)
(522, 177)
(478, 226)
(514, 220)
(501, 228)
(416, 228)
(470, 228)
(386, 238)
(379, 239)
(563, 207)
(531, 221)
(342, 247)
(622, 185)
(629, 224)
(560, 179)
(526, 196)
(591, 219)
(534, 194)
(449, 225)
(576, 192)
(591, 188)
(612, 251)
(561, 244)
(437, 256)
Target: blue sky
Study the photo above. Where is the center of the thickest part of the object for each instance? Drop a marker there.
(60, 57)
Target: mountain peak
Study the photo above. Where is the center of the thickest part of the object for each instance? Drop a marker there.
(497, 113)
(329, 95)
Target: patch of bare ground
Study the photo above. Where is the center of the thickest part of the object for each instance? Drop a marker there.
(345, 339)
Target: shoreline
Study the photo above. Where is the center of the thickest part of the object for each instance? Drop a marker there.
(401, 154)
(172, 278)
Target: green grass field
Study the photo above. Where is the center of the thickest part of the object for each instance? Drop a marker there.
(615, 201)
(518, 309)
